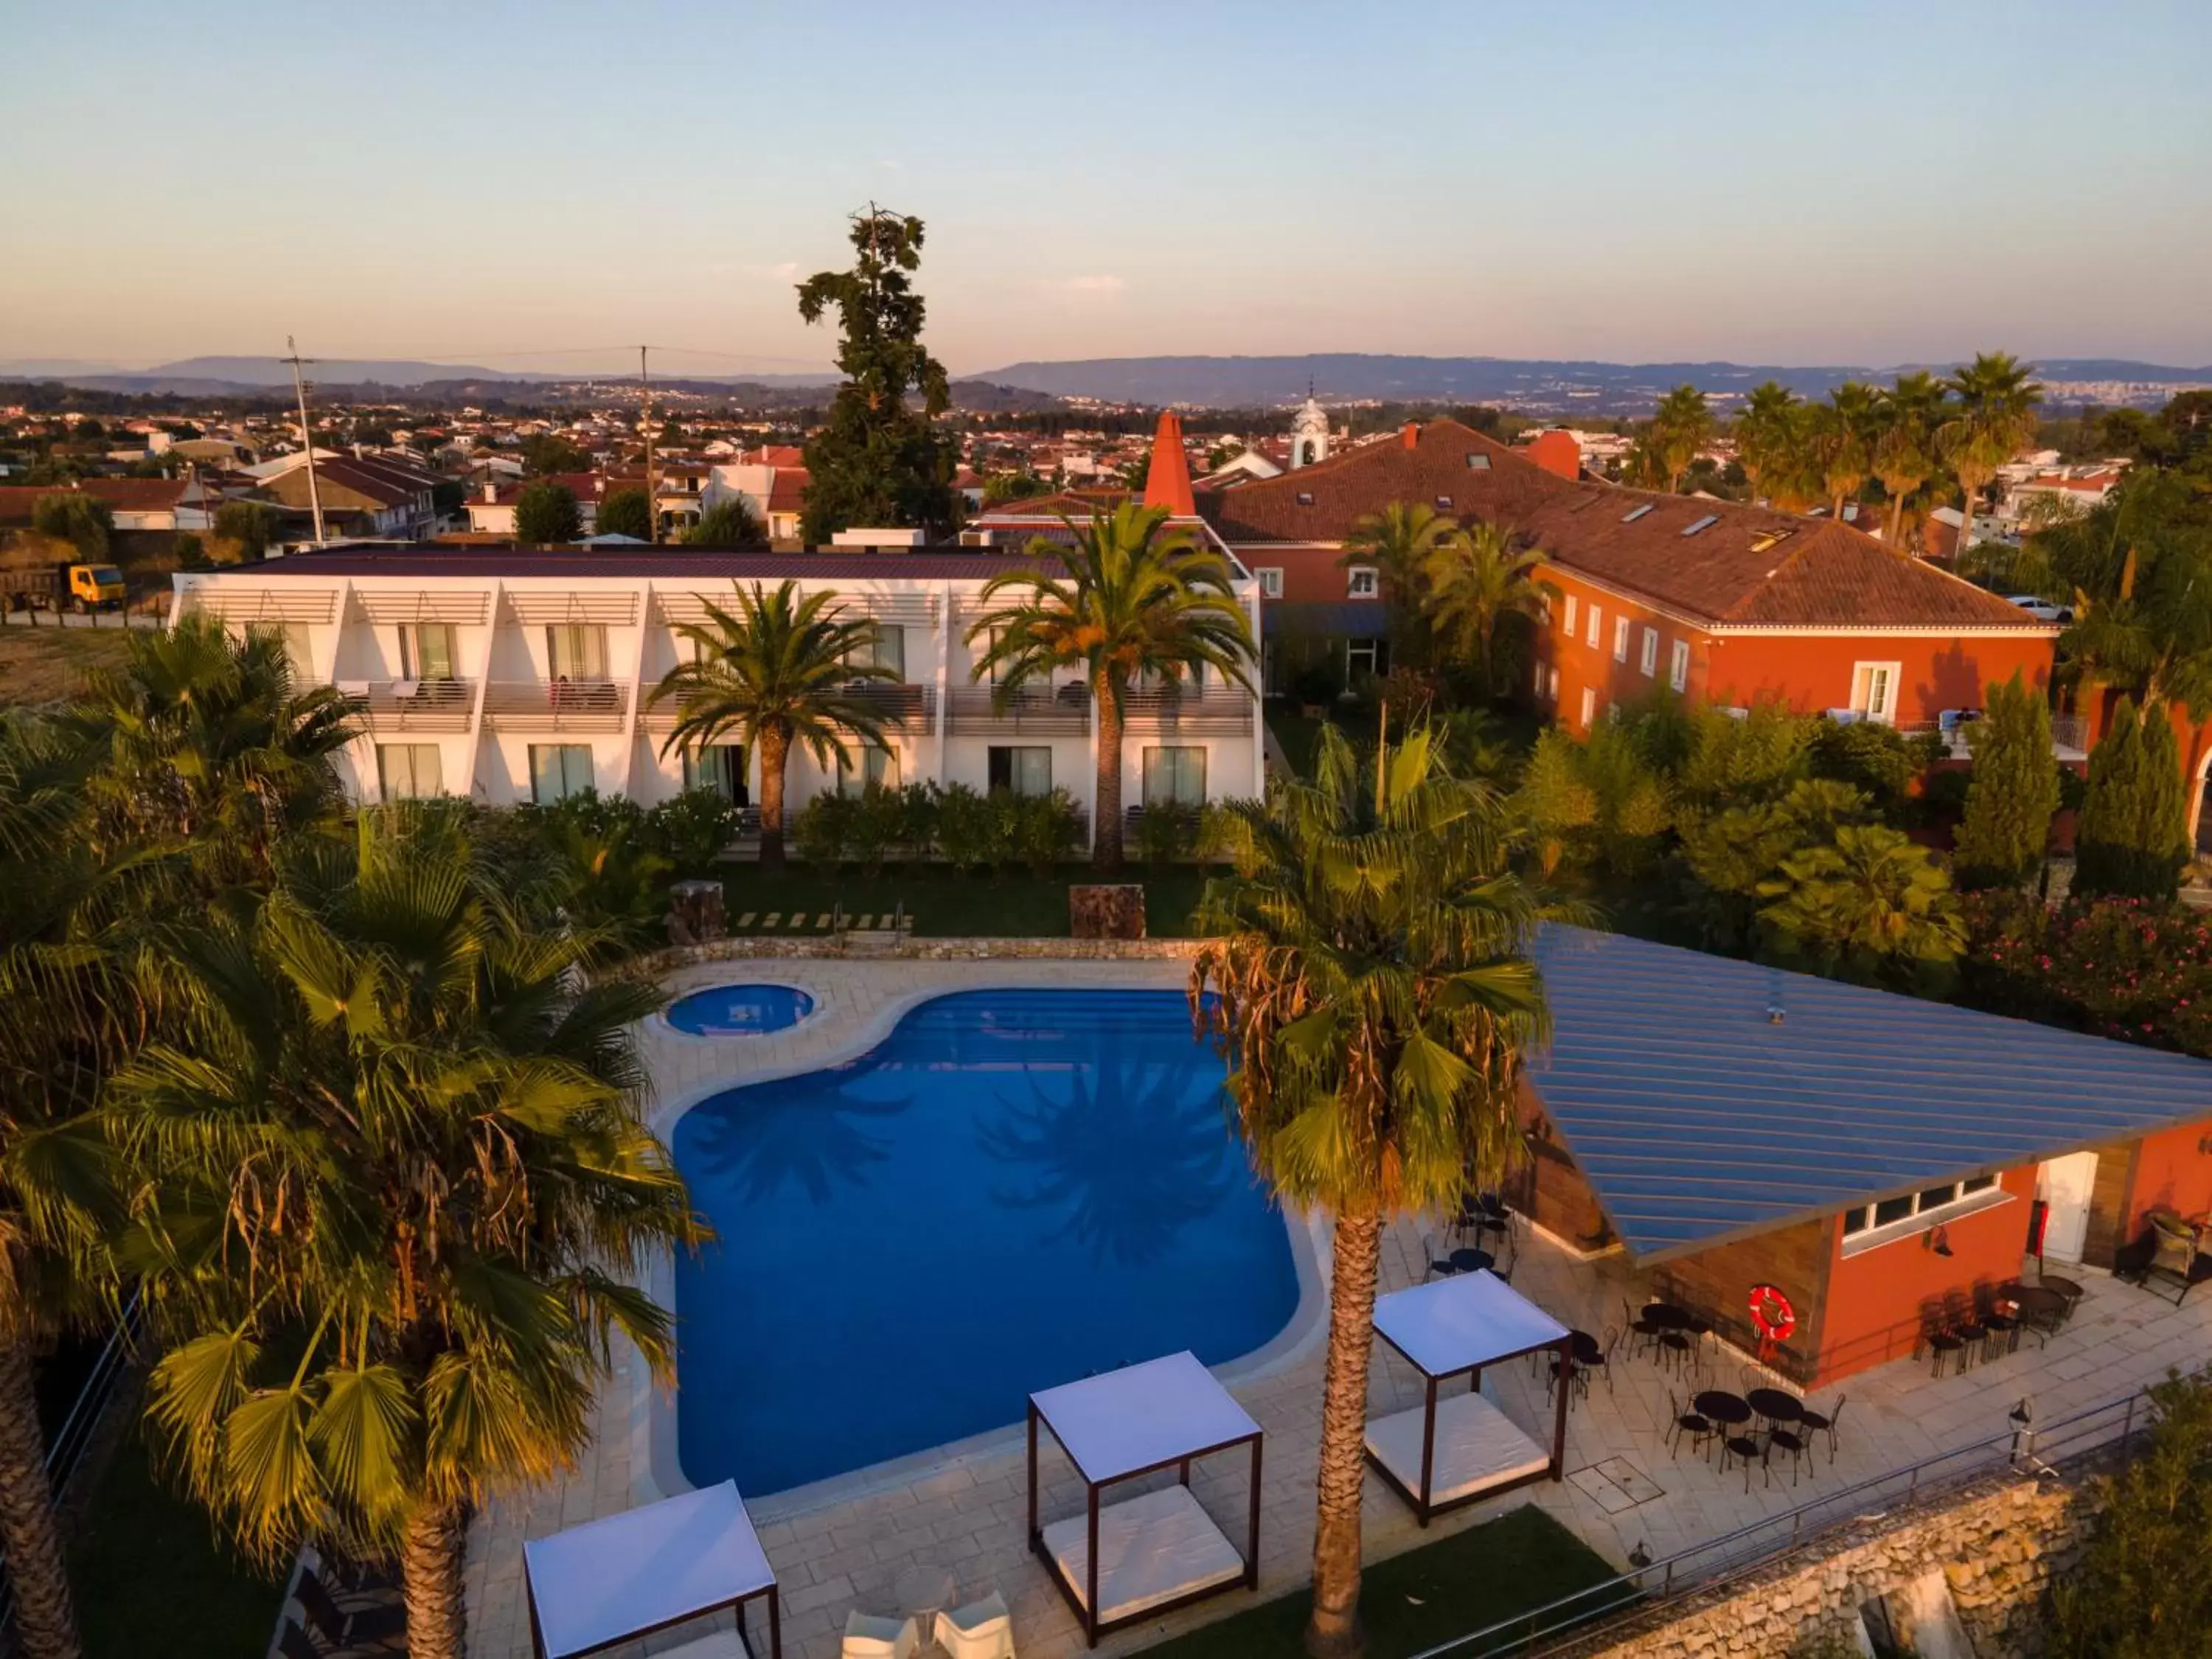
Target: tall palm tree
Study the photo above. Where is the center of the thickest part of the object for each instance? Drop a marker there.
(1842, 433)
(1764, 432)
(1872, 902)
(1368, 976)
(1905, 449)
(1995, 418)
(2137, 568)
(1128, 598)
(778, 669)
(421, 1134)
(1475, 580)
(1680, 426)
(1400, 542)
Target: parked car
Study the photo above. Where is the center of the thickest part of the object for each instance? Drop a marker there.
(2041, 608)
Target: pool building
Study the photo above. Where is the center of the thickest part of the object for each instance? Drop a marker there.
(1870, 1167)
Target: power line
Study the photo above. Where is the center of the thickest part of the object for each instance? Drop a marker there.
(306, 432)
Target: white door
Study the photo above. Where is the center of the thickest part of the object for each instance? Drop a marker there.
(2065, 1185)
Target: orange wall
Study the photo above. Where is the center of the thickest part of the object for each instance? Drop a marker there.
(1812, 672)
(1581, 663)
(1878, 1298)
(2172, 1171)
(1311, 575)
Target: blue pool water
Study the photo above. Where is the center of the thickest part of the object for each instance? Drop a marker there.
(1017, 1188)
(739, 1010)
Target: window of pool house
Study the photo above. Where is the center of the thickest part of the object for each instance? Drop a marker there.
(1020, 769)
(558, 770)
(1927, 1202)
(1174, 777)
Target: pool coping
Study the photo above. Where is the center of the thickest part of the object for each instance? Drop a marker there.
(656, 1467)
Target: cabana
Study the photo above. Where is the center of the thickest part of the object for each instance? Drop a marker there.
(1118, 1562)
(1441, 1454)
(607, 1582)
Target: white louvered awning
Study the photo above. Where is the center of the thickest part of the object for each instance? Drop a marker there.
(283, 602)
(543, 609)
(904, 609)
(460, 606)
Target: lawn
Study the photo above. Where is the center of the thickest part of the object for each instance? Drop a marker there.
(150, 1576)
(946, 904)
(45, 664)
(1409, 1602)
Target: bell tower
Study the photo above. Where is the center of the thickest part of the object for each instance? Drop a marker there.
(1309, 433)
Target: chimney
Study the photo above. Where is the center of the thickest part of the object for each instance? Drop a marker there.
(1410, 435)
(491, 491)
(1558, 453)
(1167, 481)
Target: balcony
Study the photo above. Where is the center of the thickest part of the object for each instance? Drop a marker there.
(1034, 711)
(388, 705)
(2069, 733)
(901, 707)
(1214, 710)
(565, 705)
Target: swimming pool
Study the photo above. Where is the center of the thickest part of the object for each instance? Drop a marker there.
(739, 1010)
(1015, 1189)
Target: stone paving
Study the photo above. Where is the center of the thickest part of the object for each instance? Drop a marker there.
(852, 1543)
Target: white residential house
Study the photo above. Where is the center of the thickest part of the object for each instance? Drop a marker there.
(512, 676)
(491, 510)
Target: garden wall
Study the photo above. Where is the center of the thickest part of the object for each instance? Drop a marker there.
(1997, 1542)
(920, 949)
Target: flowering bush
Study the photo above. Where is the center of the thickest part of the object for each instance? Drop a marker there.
(2118, 968)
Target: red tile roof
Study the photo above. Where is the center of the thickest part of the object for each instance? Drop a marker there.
(123, 494)
(787, 490)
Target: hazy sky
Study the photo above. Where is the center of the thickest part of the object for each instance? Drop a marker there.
(496, 182)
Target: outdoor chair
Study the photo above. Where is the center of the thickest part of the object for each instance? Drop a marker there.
(338, 1627)
(1814, 1422)
(1693, 1424)
(1797, 1441)
(982, 1629)
(868, 1637)
(1675, 1348)
(1747, 1451)
(2000, 1335)
(1942, 1345)
(1640, 1329)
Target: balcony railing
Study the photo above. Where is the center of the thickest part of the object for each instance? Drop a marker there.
(902, 707)
(563, 705)
(1221, 710)
(1034, 711)
(384, 706)
(2069, 733)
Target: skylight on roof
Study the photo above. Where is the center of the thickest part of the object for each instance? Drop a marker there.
(1476, 461)
(1636, 513)
(1305, 498)
(1443, 500)
(1705, 523)
(1771, 537)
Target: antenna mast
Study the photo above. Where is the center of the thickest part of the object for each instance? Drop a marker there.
(306, 434)
(651, 488)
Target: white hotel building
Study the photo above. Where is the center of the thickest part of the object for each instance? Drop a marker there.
(513, 675)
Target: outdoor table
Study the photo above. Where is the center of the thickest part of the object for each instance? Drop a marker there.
(1775, 1406)
(1668, 1317)
(1719, 1405)
(1471, 1261)
(2036, 1301)
(2065, 1288)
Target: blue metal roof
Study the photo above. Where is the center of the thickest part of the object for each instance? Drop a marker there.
(1696, 1117)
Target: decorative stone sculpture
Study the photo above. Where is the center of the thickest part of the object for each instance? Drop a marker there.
(1107, 911)
(695, 912)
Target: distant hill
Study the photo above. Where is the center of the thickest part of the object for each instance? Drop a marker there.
(1559, 385)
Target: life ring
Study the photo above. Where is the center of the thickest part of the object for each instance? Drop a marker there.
(1771, 1316)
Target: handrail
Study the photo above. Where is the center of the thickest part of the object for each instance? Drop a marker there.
(1738, 1553)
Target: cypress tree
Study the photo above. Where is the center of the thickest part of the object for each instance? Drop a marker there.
(879, 459)
(2014, 791)
(2134, 834)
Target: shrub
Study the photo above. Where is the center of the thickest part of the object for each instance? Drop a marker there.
(876, 826)
(1316, 686)
(2133, 839)
(84, 521)
(2117, 968)
(2014, 792)
(823, 832)
(961, 832)
(690, 830)
(243, 530)
(1047, 828)
(1877, 760)
(1167, 833)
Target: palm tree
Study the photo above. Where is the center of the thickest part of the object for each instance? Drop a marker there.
(2137, 568)
(421, 1132)
(1400, 542)
(1873, 901)
(1842, 429)
(1368, 976)
(1475, 580)
(1680, 426)
(1995, 416)
(1765, 433)
(1128, 598)
(1904, 450)
(778, 669)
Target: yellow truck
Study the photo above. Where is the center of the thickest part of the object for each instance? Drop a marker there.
(83, 586)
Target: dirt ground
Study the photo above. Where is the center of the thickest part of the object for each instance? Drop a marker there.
(44, 665)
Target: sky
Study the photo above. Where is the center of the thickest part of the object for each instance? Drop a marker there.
(531, 185)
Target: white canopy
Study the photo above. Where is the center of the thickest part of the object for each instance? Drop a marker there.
(1452, 1324)
(606, 1580)
(1142, 1416)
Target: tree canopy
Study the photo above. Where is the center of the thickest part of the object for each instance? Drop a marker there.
(545, 513)
(624, 512)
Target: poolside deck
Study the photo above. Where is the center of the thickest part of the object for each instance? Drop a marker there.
(836, 1551)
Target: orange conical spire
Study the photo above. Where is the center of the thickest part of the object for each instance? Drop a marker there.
(1167, 481)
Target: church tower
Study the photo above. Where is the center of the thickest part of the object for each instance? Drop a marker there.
(1309, 434)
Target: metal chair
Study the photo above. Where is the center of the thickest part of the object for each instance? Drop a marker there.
(1639, 1329)
(341, 1629)
(1797, 1442)
(1696, 1425)
(1814, 1422)
(1942, 1345)
(1747, 1451)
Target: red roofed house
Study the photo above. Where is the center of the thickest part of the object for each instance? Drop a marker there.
(491, 510)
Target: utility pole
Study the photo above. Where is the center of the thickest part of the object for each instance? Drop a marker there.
(652, 492)
(306, 434)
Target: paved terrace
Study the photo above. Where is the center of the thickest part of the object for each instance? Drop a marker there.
(966, 1515)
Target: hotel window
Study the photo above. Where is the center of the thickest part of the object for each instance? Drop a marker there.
(1554, 693)
(426, 651)
(1362, 583)
(879, 767)
(1678, 666)
(1571, 616)
(1649, 661)
(886, 648)
(1867, 1217)
(1363, 659)
(1022, 770)
(1874, 690)
(558, 770)
(1271, 581)
(1621, 639)
(1589, 634)
(409, 771)
(1589, 704)
(1174, 777)
(576, 651)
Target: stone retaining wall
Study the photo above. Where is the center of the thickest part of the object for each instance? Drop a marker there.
(1997, 1542)
(768, 945)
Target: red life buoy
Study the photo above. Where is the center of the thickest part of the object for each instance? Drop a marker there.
(1771, 1316)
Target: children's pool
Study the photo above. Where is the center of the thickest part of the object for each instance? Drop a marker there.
(739, 1010)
